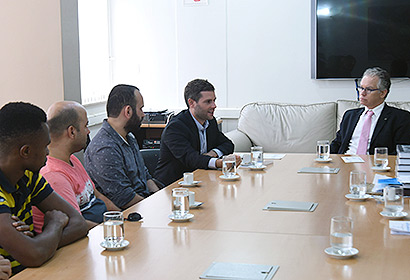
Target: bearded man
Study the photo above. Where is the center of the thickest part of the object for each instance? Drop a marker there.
(113, 159)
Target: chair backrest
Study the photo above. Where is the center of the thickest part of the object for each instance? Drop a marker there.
(150, 157)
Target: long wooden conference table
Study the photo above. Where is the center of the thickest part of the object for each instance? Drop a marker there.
(232, 227)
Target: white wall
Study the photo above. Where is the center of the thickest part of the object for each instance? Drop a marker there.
(250, 50)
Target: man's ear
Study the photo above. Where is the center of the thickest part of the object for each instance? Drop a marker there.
(383, 93)
(127, 111)
(25, 151)
(191, 102)
(71, 131)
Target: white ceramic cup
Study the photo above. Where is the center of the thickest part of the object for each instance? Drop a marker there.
(188, 178)
(358, 183)
(381, 157)
(246, 159)
(323, 149)
(113, 228)
(341, 234)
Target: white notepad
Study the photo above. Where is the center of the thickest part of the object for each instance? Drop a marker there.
(280, 205)
(352, 159)
(320, 170)
(239, 271)
(273, 156)
(399, 227)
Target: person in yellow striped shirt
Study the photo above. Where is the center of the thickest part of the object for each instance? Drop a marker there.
(24, 138)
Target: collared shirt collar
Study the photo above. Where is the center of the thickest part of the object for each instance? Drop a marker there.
(5, 183)
(107, 126)
(376, 110)
(201, 127)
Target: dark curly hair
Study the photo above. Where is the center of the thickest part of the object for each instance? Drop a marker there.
(19, 120)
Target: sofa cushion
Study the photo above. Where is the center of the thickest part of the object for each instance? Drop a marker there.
(405, 105)
(342, 107)
(288, 128)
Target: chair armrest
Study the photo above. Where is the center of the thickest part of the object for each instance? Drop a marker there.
(240, 140)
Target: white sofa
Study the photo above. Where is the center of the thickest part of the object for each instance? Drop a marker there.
(291, 128)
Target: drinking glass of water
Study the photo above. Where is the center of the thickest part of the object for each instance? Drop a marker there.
(341, 234)
(257, 156)
(393, 199)
(180, 203)
(381, 159)
(358, 183)
(113, 229)
(229, 166)
(323, 149)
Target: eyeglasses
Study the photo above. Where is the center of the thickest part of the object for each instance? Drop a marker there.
(367, 90)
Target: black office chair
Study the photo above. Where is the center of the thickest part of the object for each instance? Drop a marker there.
(150, 157)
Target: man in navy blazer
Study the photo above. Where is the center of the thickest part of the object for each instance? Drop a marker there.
(192, 140)
(389, 126)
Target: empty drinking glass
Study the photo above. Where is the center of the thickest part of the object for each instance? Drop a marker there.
(257, 156)
(323, 149)
(229, 166)
(393, 199)
(113, 229)
(381, 159)
(358, 183)
(180, 202)
(341, 234)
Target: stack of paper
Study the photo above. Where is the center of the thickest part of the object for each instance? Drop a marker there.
(403, 166)
(399, 227)
(378, 187)
(320, 170)
(239, 271)
(381, 181)
(280, 205)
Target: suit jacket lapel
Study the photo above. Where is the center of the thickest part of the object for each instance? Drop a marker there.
(192, 126)
(355, 120)
(384, 116)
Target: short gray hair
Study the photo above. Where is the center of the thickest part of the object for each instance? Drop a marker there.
(383, 75)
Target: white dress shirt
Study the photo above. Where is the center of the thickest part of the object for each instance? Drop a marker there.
(354, 142)
(202, 139)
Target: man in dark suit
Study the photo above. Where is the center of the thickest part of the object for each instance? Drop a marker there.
(192, 140)
(375, 125)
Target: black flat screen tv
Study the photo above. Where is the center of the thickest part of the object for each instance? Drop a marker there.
(349, 36)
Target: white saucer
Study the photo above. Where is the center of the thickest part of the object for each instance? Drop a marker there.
(196, 204)
(337, 255)
(323, 160)
(256, 168)
(187, 218)
(353, 197)
(375, 168)
(232, 178)
(194, 183)
(121, 246)
(393, 216)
